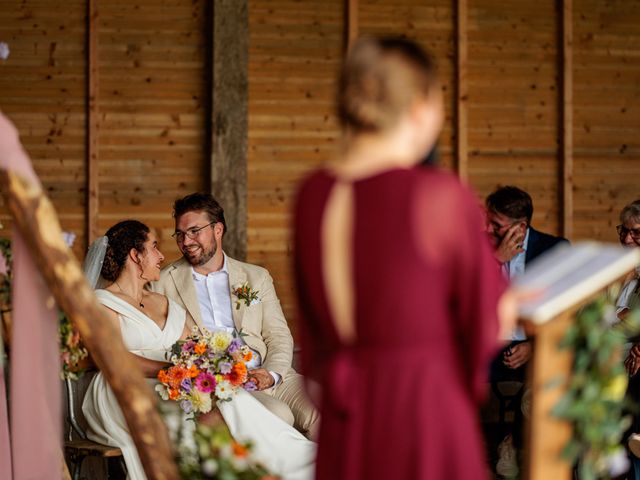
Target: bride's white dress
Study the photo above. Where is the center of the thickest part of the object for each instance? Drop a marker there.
(277, 445)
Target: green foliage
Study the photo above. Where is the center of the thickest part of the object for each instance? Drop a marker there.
(212, 454)
(71, 349)
(595, 402)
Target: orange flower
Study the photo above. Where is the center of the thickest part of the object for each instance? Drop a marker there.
(173, 393)
(200, 348)
(193, 371)
(163, 377)
(248, 356)
(239, 450)
(176, 375)
(238, 374)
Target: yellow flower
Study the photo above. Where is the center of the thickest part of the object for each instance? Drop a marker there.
(615, 388)
(220, 341)
(201, 401)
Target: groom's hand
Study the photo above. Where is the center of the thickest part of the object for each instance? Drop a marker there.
(262, 378)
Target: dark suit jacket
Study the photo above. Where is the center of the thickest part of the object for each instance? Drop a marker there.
(539, 242)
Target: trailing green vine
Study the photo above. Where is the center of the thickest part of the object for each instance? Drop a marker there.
(595, 402)
(72, 351)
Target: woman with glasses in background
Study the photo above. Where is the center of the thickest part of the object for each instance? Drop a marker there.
(629, 236)
(629, 299)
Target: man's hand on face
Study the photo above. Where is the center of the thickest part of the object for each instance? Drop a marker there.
(262, 378)
(520, 354)
(511, 243)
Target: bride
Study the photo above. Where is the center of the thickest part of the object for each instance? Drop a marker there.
(150, 324)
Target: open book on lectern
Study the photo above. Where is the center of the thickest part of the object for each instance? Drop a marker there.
(569, 274)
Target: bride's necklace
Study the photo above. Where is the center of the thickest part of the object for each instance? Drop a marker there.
(125, 293)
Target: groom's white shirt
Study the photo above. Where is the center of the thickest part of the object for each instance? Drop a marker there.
(213, 296)
(215, 306)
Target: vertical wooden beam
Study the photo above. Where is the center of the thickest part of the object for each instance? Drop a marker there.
(461, 91)
(229, 118)
(351, 23)
(566, 127)
(550, 369)
(93, 123)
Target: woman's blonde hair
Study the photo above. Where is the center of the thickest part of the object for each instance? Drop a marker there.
(380, 80)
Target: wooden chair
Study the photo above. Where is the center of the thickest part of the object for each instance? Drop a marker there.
(77, 446)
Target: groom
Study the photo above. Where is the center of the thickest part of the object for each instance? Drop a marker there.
(206, 282)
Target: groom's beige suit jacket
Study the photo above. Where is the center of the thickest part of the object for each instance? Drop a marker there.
(263, 322)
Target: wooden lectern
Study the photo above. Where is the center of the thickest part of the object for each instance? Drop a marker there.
(571, 276)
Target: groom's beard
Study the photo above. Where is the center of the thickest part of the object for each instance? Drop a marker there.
(197, 255)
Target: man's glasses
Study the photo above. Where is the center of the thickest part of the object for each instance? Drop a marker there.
(190, 233)
(624, 231)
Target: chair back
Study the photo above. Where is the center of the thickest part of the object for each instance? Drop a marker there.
(74, 392)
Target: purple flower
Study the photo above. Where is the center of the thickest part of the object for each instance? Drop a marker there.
(224, 367)
(205, 382)
(188, 346)
(250, 387)
(186, 385)
(235, 344)
(186, 406)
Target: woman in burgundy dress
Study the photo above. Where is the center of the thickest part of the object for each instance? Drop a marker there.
(397, 287)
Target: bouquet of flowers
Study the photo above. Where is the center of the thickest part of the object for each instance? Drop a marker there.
(211, 453)
(206, 367)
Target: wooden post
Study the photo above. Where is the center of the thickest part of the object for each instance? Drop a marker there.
(229, 123)
(462, 90)
(93, 124)
(566, 127)
(549, 372)
(351, 23)
(37, 221)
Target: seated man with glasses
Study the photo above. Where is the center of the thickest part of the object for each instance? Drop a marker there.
(516, 243)
(221, 293)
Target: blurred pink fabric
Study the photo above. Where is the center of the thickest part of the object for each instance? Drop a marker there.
(35, 406)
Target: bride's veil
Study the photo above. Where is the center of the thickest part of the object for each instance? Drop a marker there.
(93, 262)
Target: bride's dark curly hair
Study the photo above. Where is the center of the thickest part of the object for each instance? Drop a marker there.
(123, 236)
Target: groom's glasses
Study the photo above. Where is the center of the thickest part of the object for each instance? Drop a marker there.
(191, 233)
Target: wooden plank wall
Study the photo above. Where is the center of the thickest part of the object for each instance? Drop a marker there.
(514, 104)
(513, 101)
(295, 49)
(152, 109)
(606, 113)
(42, 90)
(153, 104)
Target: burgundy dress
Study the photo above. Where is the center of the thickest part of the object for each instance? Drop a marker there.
(401, 403)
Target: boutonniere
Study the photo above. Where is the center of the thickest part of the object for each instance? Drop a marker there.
(245, 294)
